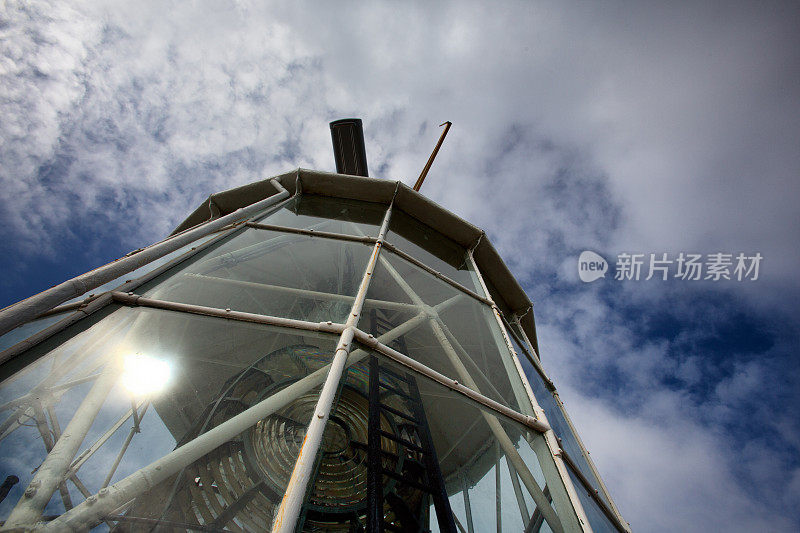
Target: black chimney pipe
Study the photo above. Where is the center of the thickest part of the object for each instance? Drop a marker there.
(348, 147)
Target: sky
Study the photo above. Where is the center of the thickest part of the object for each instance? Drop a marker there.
(615, 127)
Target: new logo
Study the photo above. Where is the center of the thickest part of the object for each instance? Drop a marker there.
(591, 266)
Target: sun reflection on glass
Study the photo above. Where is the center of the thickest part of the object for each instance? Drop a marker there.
(143, 375)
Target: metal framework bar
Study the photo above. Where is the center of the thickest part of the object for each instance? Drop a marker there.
(36, 394)
(306, 293)
(136, 300)
(532, 359)
(94, 303)
(497, 429)
(549, 436)
(83, 457)
(395, 250)
(585, 452)
(21, 312)
(498, 499)
(112, 497)
(467, 506)
(343, 330)
(412, 364)
(593, 494)
(314, 233)
(289, 510)
(51, 472)
(523, 507)
(123, 491)
(47, 440)
(133, 431)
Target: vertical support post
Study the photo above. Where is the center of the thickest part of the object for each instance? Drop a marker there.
(289, 510)
(554, 450)
(375, 462)
(498, 490)
(133, 431)
(523, 507)
(51, 472)
(467, 506)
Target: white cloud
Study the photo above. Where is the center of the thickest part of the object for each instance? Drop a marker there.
(670, 475)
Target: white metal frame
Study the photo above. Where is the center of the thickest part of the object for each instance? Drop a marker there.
(61, 463)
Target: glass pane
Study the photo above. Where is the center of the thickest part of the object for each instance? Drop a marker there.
(432, 440)
(20, 333)
(323, 213)
(431, 247)
(454, 334)
(270, 273)
(144, 269)
(187, 374)
(555, 417)
(597, 518)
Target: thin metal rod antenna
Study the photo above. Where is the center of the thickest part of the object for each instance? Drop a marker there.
(425, 170)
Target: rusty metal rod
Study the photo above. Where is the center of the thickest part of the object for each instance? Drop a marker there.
(425, 170)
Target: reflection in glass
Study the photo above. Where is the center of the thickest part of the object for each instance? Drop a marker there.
(335, 215)
(431, 441)
(431, 247)
(597, 519)
(555, 417)
(441, 327)
(270, 273)
(217, 369)
(144, 269)
(20, 333)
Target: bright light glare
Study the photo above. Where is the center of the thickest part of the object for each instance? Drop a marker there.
(143, 375)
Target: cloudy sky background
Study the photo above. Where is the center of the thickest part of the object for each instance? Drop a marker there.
(621, 127)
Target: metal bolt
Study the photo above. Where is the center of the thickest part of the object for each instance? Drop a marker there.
(227, 309)
(91, 499)
(103, 492)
